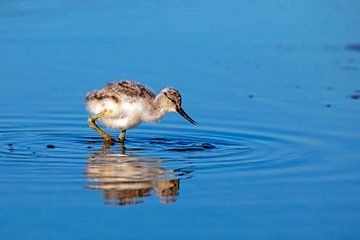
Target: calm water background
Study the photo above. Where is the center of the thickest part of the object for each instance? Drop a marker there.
(272, 84)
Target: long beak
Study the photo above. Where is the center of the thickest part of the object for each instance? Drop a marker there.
(183, 113)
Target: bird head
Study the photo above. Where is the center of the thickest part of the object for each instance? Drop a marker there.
(172, 102)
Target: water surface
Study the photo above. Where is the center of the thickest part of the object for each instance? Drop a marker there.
(273, 85)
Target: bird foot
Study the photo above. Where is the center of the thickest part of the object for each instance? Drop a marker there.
(109, 140)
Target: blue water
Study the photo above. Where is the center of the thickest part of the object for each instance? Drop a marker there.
(274, 86)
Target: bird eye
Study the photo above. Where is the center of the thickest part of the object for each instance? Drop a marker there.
(169, 98)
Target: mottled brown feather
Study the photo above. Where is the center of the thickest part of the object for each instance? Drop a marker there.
(117, 89)
(131, 89)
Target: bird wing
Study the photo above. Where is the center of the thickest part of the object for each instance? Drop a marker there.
(131, 89)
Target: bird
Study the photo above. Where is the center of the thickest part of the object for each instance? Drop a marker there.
(125, 104)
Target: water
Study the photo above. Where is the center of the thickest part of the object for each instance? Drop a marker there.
(273, 85)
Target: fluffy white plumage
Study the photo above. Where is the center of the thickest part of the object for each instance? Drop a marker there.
(125, 115)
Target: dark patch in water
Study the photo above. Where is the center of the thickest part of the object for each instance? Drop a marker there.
(159, 139)
(353, 47)
(251, 96)
(355, 95)
(328, 105)
(208, 146)
(11, 147)
(50, 146)
(202, 147)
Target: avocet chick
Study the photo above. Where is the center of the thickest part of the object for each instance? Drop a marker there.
(124, 105)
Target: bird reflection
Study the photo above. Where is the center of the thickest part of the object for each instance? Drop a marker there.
(126, 180)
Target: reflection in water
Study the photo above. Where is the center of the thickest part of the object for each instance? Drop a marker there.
(126, 179)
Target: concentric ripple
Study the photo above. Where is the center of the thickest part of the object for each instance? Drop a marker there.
(153, 160)
(219, 150)
(127, 174)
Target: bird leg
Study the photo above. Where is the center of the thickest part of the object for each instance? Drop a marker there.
(122, 148)
(122, 136)
(92, 124)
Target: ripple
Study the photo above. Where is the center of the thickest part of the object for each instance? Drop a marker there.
(207, 148)
(154, 160)
(156, 165)
(218, 151)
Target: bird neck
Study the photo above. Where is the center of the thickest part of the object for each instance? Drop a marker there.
(158, 108)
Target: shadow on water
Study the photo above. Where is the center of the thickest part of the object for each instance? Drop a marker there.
(126, 180)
